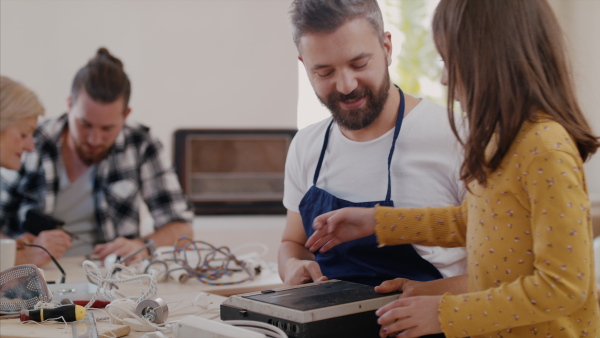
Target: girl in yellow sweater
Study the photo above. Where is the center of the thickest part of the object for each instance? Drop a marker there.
(525, 221)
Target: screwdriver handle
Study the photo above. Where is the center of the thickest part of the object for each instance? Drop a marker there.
(70, 313)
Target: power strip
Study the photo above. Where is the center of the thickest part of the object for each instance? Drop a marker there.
(194, 326)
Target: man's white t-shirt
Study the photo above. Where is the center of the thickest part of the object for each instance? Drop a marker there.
(424, 172)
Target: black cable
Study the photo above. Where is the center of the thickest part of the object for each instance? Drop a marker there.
(64, 275)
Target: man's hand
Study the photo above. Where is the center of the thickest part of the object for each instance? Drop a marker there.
(413, 316)
(302, 271)
(121, 247)
(339, 226)
(57, 242)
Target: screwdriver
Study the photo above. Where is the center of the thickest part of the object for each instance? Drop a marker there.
(69, 313)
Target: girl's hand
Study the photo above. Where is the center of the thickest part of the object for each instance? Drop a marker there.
(410, 317)
(339, 226)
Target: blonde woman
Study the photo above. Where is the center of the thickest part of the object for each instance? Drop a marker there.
(19, 111)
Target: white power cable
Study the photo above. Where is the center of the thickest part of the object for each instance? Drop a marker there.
(264, 328)
(121, 305)
(146, 282)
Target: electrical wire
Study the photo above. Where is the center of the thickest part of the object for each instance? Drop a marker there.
(202, 261)
(106, 290)
(264, 328)
(64, 275)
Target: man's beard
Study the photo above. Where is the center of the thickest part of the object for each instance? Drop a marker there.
(356, 119)
(90, 158)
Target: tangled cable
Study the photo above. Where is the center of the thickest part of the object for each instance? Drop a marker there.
(203, 261)
(106, 285)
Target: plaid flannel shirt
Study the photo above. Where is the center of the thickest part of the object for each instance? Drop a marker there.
(132, 169)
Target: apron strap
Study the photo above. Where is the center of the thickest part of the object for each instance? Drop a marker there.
(320, 163)
(399, 119)
(388, 195)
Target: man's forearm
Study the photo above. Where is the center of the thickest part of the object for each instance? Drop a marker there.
(289, 249)
(170, 233)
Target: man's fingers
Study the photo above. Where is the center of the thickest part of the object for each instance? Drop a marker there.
(136, 258)
(291, 282)
(322, 279)
(27, 238)
(102, 250)
(120, 251)
(297, 279)
(59, 240)
(314, 270)
(105, 249)
(98, 248)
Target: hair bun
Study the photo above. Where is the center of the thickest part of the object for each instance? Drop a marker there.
(103, 54)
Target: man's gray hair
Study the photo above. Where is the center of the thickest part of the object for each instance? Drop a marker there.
(325, 16)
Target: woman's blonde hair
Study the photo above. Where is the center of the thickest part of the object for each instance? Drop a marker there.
(17, 102)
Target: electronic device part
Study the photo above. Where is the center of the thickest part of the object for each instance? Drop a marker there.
(155, 310)
(332, 308)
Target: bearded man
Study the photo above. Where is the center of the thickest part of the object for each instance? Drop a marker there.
(380, 146)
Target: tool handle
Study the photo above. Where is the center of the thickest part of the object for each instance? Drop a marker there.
(69, 313)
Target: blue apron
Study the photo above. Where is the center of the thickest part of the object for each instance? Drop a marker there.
(361, 261)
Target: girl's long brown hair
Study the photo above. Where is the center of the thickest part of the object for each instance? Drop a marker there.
(508, 59)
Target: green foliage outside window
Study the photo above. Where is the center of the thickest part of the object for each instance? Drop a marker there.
(419, 69)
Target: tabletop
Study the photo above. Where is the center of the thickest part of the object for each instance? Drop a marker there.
(191, 297)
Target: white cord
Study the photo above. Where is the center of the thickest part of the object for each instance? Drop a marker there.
(146, 282)
(264, 328)
(45, 305)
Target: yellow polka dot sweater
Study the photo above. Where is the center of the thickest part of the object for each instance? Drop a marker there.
(529, 241)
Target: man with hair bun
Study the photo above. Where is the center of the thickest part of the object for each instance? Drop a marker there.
(93, 171)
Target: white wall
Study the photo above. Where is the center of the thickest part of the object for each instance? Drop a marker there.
(211, 63)
(579, 19)
(584, 34)
(193, 64)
